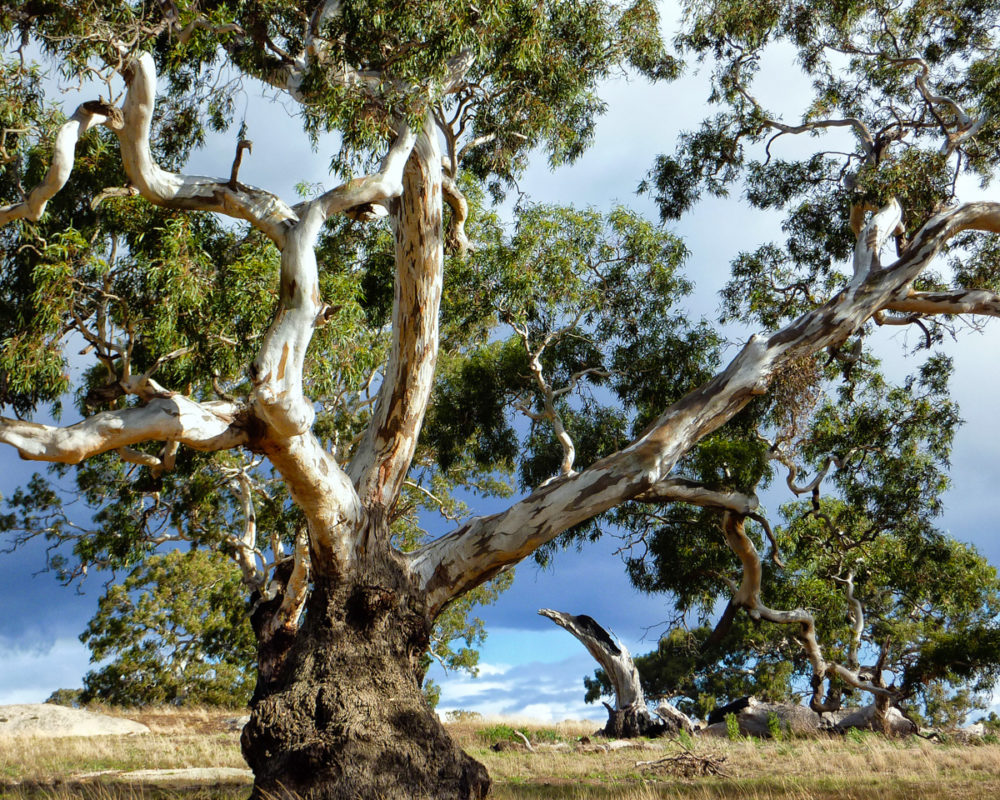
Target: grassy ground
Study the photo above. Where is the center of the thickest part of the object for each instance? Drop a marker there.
(858, 767)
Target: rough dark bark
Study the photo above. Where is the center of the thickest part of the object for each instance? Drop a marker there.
(340, 714)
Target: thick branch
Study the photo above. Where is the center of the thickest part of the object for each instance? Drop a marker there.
(482, 546)
(263, 210)
(856, 612)
(682, 490)
(87, 116)
(457, 238)
(324, 494)
(246, 544)
(295, 592)
(956, 301)
(202, 426)
(386, 450)
(747, 595)
(378, 188)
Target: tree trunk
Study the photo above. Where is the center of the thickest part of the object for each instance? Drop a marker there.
(339, 712)
(629, 717)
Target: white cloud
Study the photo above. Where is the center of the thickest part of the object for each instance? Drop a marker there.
(538, 690)
(30, 675)
(486, 670)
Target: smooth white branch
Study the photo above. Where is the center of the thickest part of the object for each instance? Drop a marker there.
(203, 426)
(260, 208)
(88, 115)
(953, 301)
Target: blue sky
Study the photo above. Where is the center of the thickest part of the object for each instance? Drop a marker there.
(530, 667)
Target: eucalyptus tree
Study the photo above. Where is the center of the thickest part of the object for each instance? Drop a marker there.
(174, 631)
(871, 577)
(427, 100)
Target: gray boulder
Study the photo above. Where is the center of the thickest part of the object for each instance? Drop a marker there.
(753, 717)
(863, 718)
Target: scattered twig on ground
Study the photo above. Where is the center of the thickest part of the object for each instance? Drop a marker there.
(688, 764)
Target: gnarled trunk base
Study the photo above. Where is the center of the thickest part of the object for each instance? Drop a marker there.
(343, 717)
(633, 721)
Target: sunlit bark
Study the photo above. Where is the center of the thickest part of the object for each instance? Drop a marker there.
(479, 548)
(629, 717)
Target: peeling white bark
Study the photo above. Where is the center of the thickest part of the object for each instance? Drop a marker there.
(87, 116)
(202, 426)
(478, 549)
(384, 454)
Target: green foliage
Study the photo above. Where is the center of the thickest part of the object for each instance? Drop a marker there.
(930, 603)
(174, 631)
(501, 732)
(733, 728)
(774, 728)
(570, 316)
(71, 698)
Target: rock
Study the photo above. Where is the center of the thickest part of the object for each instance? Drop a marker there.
(969, 733)
(627, 744)
(238, 723)
(862, 718)
(504, 745)
(195, 777)
(719, 714)
(753, 717)
(49, 720)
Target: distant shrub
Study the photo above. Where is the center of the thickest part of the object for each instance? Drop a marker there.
(497, 733)
(733, 727)
(66, 697)
(461, 715)
(857, 735)
(774, 726)
(545, 735)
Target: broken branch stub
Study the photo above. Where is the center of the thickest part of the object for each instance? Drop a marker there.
(629, 717)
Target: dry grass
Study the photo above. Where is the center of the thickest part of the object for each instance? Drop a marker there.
(855, 768)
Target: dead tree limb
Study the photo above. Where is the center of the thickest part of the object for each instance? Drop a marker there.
(630, 716)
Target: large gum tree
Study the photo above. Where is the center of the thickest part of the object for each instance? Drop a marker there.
(431, 98)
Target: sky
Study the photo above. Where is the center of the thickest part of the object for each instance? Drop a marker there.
(529, 667)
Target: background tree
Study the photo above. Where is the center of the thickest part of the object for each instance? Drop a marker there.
(174, 631)
(344, 598)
